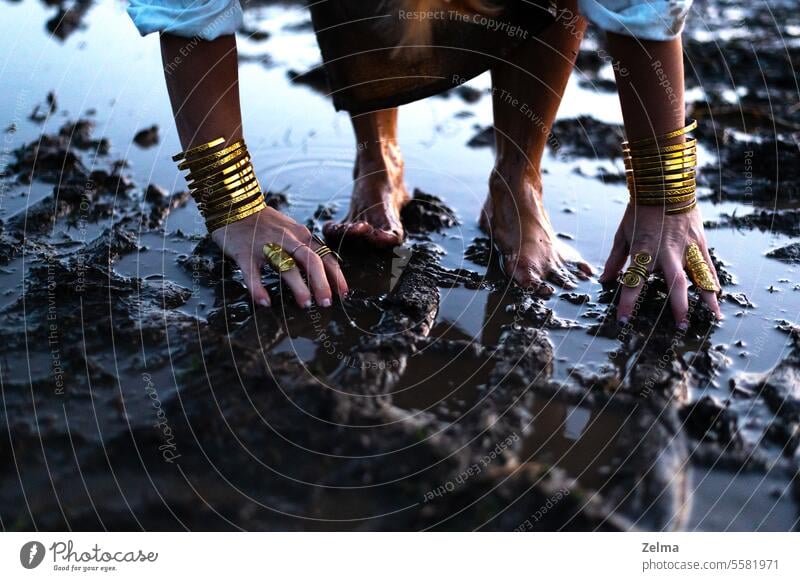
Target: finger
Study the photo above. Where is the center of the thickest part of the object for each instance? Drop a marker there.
(616, 260)
(627, 300)
(710, 298)
(707, 255)
(315, 273)
(251, 273)
(294, 280)
(334, 270)
(675, 275)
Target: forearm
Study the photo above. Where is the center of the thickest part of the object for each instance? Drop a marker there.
(650, 82)
(203, 84)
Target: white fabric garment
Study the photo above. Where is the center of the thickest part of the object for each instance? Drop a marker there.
(643, 19)
(206, 19)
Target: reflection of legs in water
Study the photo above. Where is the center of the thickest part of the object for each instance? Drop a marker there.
(378, 189)
(527, 93)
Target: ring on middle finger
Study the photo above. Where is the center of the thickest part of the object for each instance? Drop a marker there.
(699, 270)
(637, 270)
(278, 257)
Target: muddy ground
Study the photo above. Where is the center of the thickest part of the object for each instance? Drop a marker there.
(140, 389)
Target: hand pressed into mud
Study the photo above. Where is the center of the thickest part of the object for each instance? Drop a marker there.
(243, 242)
(515, 219)
(379, 193)
(665, 238)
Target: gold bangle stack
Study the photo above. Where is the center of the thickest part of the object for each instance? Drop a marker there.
(222, 181)
(661, 174)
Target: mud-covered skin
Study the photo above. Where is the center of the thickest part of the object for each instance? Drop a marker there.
(362, 433)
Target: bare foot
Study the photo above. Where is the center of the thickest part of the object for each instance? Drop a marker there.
(515, 219)
(379, 193)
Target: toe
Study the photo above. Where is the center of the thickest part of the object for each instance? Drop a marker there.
(384, 238)
(345, 231)
(584, 270)
(561, 277)
(526, 275)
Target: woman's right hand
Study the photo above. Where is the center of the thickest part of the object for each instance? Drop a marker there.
(243, 241)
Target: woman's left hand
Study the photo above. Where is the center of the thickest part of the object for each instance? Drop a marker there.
(666, 239)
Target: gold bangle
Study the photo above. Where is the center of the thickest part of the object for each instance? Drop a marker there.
(663, 201)
(226, 191)
(241, 206)
(666, 136)
(193, 162)
(219, 223)
(210, 164)
(689, 143)
(657, 188)
(209, 169)
(215, 186)
(681, 210)
(243, 163)
(649, 192)
(663, 156)
(670, 165)
(199, 149)
(234, 205)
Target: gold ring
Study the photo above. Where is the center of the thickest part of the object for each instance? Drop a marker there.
(278, 257)
(637, 270)
(324, 250)
(699, 270)
(296, 248)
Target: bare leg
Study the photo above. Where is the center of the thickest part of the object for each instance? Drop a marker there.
(652, 100)
(527, 94)
(379, 192)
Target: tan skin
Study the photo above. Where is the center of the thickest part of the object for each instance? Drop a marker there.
(649, 110)
(204, 92)
(514, 214)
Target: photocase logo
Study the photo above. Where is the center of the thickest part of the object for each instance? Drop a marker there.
(31, 554)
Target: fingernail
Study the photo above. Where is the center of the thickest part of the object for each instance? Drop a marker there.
(307, 304)
(683, 325)
(326, 302)
(264, 303)
(623, 320)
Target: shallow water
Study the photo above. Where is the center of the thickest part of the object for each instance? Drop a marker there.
(301, 146)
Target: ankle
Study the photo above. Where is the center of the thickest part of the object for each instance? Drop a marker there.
(515, 181)
(378, 158)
